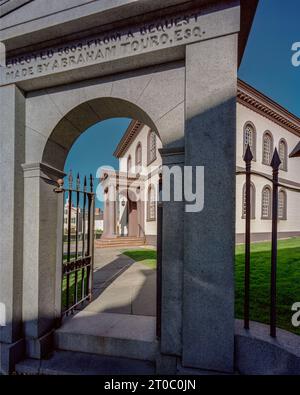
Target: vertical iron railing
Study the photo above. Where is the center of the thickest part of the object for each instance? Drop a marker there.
(77, 232)
(247, 158)
(78, 239)
(91, 235)
(159, 257)
(83, 254)
(275, 164)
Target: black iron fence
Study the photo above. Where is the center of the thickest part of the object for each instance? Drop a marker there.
(274, 180)
(78, 243)
(159, 242)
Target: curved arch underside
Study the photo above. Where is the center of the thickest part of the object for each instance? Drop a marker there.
(89, 113)
(56, 117)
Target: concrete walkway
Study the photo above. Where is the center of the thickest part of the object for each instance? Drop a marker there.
(116, 332)
(122, 285)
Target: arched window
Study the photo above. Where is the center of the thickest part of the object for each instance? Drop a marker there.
(250, 138)
(129, 164)
(151, 146)
(283, 154)
(282, 205)
(267, 148)
(266, 203)
(252, 200)
(151, 204)
(138, 157)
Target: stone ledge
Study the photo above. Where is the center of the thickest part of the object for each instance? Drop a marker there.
(10, 354)
(75, 363)
(258, 353)
(41, 347)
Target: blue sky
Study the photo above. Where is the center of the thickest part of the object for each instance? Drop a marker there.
(267, 61)
(266, 66)
(95, 148)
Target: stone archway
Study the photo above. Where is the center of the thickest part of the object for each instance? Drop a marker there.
(80, 118)
(60, 115)
(58, 147)
(184, 84)
(155, 96)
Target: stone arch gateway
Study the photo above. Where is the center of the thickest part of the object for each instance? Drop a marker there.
(74, 122)
(173, 67)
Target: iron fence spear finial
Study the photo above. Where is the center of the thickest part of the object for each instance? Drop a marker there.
(78, 182)
(91, 182)
(276, 162)
(248, 155)
(84, 184)
(70, 180)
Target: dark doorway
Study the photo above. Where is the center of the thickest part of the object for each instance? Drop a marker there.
(132, 219)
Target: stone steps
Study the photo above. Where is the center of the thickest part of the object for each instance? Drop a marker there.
(109, 334)
(120, 242)
(76, 363)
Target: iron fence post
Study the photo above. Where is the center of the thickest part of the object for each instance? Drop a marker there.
(247, 158)
(273, 316)
(77, 231)
(69, 239)
(91, 230)
(159, 258)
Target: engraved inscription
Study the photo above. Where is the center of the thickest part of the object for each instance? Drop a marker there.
(169, 32)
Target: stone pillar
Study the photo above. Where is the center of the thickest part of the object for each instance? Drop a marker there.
(43, 230)
(110, 213)
(12, 154)
(141, 211)
(172, 258)
(112, 219)
(208, 293)
(105, 215)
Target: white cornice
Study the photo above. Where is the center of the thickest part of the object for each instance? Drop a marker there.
(132, 131)
(263, 105)
(248, 97)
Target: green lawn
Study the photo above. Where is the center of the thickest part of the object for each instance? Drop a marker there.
(146, 257)
(288, 279)
(72, 256)
(72, 288)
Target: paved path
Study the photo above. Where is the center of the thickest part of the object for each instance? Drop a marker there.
(122, 285)
(84, 364)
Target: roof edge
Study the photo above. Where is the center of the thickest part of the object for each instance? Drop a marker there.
(265, 106)
(131, 132)
(248, 96)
